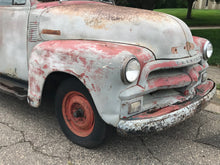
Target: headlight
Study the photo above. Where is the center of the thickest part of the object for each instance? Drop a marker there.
(207, 50)
(130, 71)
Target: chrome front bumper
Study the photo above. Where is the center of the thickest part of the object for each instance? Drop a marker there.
(158, 123)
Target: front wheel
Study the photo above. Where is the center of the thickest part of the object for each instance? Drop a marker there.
(78, 116)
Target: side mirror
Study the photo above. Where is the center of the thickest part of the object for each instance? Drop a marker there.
(19, 2)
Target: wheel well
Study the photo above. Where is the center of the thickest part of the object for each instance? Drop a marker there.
(53, 81)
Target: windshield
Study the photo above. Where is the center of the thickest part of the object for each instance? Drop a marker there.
(104, 1)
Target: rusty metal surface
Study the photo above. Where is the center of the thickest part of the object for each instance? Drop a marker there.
(199, 42)
(166, 64)
(91, 41)
(154, 70)
(158, 123)
(52, 32)
(96, 64)
(14, 88)
(96, 21)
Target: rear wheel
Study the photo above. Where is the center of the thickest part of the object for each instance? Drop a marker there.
(78, 116)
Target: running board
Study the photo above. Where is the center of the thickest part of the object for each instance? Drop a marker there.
(13, 87)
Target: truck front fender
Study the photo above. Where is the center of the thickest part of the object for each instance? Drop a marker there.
(96, 64)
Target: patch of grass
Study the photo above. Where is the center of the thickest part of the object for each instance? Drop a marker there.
(199, 17)
(218, 86)
(213, 35)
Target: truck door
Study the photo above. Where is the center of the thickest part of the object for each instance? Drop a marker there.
(13, 38)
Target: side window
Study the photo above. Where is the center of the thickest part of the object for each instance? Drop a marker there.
(19, 2)
(5, 2)
(12, 2)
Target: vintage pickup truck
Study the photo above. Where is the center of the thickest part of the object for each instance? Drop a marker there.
(137, 70)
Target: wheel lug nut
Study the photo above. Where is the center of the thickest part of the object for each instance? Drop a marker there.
(78, 113)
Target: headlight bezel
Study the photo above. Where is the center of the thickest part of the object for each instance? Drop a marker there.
(206, 55)
(125, 65)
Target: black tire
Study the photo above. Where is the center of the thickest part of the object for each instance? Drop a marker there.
(75, 117)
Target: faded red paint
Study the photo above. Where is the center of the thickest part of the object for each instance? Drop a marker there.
(83, 60)
(177, 80)
(157, 65)
(69, 71)
(194, 75)
(202, 90)
(161, 112)
(36, 62)
(32, 84)
(38, 71)
(181, 98)
(93, 87)
(52, 56)
(57, 3)
(45, 66)
(98, 71)
(82, 75)
(198, 68)
(108, 49)
(186, 92)
(144, 58)
(194, 72)
(37, 88)
(143, 89)
(80, 124)
(34, 2)
(168, 64)
(200, 42)
(32, 80)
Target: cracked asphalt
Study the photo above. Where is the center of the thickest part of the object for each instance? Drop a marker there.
(33, 136)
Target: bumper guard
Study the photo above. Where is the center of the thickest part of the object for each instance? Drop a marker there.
(159, 123)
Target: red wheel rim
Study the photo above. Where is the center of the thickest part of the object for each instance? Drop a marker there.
(78, 114)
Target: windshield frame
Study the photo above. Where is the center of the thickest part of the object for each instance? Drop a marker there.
(102, 1)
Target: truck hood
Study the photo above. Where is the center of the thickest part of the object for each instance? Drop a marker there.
(166, 36)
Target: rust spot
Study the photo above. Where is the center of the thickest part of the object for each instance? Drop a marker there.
(97, 15)
(174, 50)
(189, 46)
(186, 93)
(52, 32)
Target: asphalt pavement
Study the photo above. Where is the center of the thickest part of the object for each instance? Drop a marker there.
(33, 136)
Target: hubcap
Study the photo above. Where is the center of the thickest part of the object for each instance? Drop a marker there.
(78, 114)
